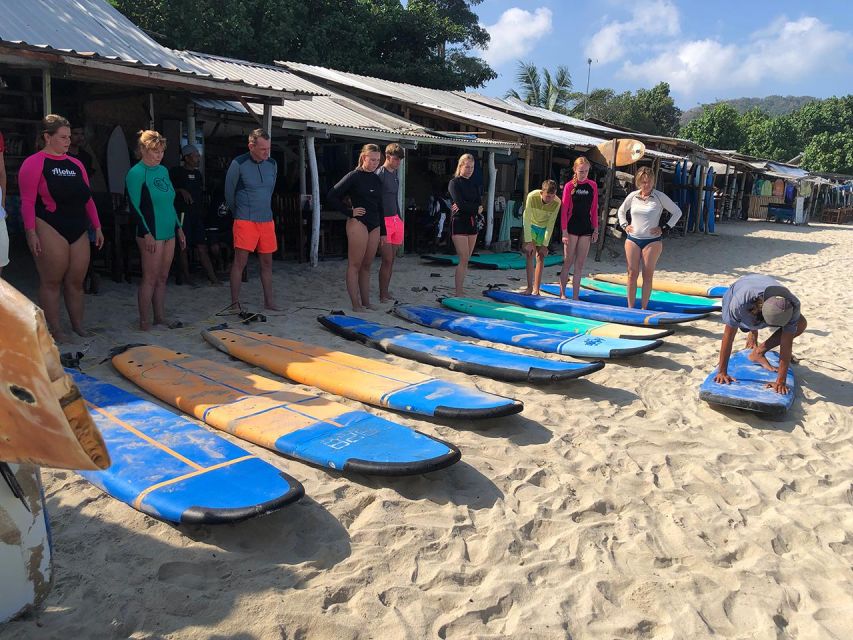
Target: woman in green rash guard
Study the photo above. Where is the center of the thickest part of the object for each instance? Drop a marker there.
(152, 198)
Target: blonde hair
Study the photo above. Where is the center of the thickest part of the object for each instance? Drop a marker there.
(644, 171)
(149, 139)
(366, 150)
(465, 157)
(549, 186)
(50, 124)
(578, 161)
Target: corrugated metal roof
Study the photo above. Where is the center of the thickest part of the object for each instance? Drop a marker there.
(514, 105)
(445, 101)
(260, 75)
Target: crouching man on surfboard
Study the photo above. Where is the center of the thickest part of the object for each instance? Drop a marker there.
(754, 302)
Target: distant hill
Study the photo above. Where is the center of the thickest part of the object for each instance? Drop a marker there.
(774, 105)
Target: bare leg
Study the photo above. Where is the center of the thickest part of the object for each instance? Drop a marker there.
(357, 238)
(581, 251)
(206, 264)
(184, 265)
(529, 251)
(266, 281)
(633, 254)
(651, 253)
(569, 251)
(241, 257)
(364, 269)
(78, 264)
(165, 252)
(386, 270)
(759, 351)
(145, 293)
(52, 266)
(541, 253)
(464, 246)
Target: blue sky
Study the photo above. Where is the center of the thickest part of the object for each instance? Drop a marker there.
(706, 50)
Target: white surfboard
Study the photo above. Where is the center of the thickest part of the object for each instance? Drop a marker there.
(118, 160)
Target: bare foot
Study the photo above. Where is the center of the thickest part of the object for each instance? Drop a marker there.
(169, 324)
(271, 306)
(60, 337)
(85, 333)
(528, 291)
(537, 293)
(386, 299)
(357, 308)
(370, 306)
(759, 358)
(145, 326)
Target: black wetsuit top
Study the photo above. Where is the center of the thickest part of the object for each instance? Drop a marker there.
(364, 190)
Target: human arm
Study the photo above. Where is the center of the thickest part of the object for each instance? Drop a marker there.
(785, 348)
(593, 209)
(337, 194)
(232, 177)
(566, 207)
(91, 209)
(723, 376)
(2, 178)
(134, 182)
(622, 213)
(669, 205)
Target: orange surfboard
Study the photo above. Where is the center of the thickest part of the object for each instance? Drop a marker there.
(628, 151)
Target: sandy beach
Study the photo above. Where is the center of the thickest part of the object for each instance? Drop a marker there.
(616, 506)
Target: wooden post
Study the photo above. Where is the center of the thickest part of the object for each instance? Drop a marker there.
(490, 202)
(741, 194)
(47, 103)
(604, 203)
(527, 157)
(701, 197)
(151, 111)
(268, 119)
(315, 201)
(302, 183)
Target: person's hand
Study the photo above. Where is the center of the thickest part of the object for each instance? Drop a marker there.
(629, 229)
(186, 196)
(656, 231)
(99, 238)
(527, 248)
(357, 212)
(778, 387)
(149, 242)
(480, 209)
(594, 235)
(454, 208)
(723, 378)
(33, 242)
(182, 238)
(566, 239)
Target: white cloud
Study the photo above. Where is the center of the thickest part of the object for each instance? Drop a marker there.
(646, 22)
(787, 50)
(515, 34)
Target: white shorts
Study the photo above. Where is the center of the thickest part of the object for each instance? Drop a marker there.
(4, 244)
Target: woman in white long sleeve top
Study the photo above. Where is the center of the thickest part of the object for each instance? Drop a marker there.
(643, 245)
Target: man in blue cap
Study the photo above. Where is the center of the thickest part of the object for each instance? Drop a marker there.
(754, 302)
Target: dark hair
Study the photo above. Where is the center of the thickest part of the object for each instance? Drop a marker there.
(549, 186)
(258, 133)
(50, 124)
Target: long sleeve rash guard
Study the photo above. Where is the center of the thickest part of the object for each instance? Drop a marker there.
(54, 184)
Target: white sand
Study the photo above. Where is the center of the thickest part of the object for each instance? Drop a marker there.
(618, 506)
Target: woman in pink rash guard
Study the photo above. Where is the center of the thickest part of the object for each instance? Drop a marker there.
(57, 210)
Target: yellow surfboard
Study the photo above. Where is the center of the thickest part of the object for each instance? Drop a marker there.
(671, 286)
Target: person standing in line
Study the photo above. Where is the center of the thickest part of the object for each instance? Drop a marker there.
(540, 214)
(4, 233)
(364, 189)
(249, 185)
(91, 283)
(643, 244)
(57, 210)
(579, 224)
(754, 302)
(466, 210)
(152, 198)
(390, 223)
(189, 203)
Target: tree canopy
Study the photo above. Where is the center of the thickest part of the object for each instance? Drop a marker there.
(651, 111)
(426, 42)
(543, 90)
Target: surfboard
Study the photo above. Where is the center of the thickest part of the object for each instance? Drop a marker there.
(591, 311)
(502, 261)
(173, 469)
(628, 151)
(118, 160)
(568, 324)
(672, 286)
(658, 296)
(710, 223)
(457, 356)
(26, 560)
(526, 336)
(676, 181)
(749, 391)
(43, 418)
(305, 427)
(612, 299)
(362, 379)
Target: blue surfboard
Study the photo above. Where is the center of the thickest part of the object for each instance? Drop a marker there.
(173, 469)
(527, 336)
(709, 202)
(749, 391)
(457, 356)
(612, 299)
(591, 311)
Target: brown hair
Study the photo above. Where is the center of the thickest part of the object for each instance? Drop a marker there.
(549, 186)
(644, 171)
(395, 150)
(463, 158)
(365, 150)
(149, 139)
(258, 133)
(50, 124)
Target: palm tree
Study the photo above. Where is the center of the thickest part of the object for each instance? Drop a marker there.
(542, 90)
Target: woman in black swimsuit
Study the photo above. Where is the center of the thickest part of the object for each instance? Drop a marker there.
(464, 224)
(364, 190)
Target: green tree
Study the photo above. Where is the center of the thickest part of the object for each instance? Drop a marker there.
(543, 90)
(718, 127)
(830, 152)
(657, 107)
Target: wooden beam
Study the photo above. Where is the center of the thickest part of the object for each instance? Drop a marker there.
(47, 104)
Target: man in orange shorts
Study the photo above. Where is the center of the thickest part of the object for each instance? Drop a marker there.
(249, 186)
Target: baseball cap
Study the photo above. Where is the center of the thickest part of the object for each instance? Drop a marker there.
(188, 149)
(777, 309)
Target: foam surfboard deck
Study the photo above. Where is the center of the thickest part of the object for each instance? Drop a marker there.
(592, 311)
(569, 324)
(657, 296)
(628, 151)
(369, 381)
(502, 261)
(455, 355)
(118, 160)
(175, 470)
(522, 335)
(749, 391)
(616, 300)
(671, 286)
(710, 223)
(26, 560)
(268, 413)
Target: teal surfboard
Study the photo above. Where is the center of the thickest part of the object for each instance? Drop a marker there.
(659, 296)
(502, 261)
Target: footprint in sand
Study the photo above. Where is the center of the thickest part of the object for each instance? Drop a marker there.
(189, 575)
